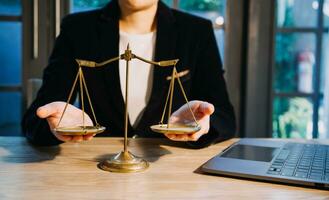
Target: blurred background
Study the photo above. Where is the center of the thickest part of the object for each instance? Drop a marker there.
(275, 55)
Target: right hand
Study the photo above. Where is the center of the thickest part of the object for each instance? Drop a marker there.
(72, 117)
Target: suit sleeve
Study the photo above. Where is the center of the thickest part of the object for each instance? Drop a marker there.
(58, 78)
(208, 84)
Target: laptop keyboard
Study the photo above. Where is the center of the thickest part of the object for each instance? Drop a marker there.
(306, 161)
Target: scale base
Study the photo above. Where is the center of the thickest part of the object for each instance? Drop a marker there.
(176, 128)
(124, 162)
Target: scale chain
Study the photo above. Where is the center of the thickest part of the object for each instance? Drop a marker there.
(184, 94)
(82, 99)
(70, 96)
(88, 96)
(171, 96)
(165, 107)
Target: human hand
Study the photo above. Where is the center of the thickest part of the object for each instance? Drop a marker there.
(72, 117)
(202, 111)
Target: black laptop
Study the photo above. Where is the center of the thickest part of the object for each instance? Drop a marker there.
(303, 163)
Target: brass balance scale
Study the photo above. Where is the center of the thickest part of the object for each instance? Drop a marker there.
(126, 161)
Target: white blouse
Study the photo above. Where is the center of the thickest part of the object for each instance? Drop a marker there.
(140, 73)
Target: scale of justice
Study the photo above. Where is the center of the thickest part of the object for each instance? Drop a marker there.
(125, 161)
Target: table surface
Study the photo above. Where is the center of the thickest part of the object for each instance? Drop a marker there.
(69, 171)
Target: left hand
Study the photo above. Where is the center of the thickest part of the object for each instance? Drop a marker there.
(202, 111)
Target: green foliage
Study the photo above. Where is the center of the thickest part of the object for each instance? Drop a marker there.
(90, 3)
(285, 63)
(293, 123)
(202, 5)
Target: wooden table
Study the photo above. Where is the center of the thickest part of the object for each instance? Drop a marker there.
(70, 171)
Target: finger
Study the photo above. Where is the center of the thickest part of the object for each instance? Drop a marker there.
(177, 137)
(46, 111)
(88, 137)
(64, 138)
(182, 137)
(171, 136)
(206, 108)
(77, 138)
(195, 137)
(185, 137)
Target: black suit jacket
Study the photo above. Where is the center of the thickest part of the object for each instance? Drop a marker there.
(94, 35)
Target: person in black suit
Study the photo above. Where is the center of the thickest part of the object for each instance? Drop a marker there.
(94, 35)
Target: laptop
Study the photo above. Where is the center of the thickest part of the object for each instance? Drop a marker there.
(302, 163)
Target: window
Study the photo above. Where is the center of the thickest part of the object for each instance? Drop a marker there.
(84, 5)
(210, 9)
(300, 91)
(11, 67)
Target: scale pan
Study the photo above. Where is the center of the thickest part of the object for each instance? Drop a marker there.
(175, 128)
(79, 130)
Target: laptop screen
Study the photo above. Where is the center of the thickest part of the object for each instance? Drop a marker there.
(248, 152)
